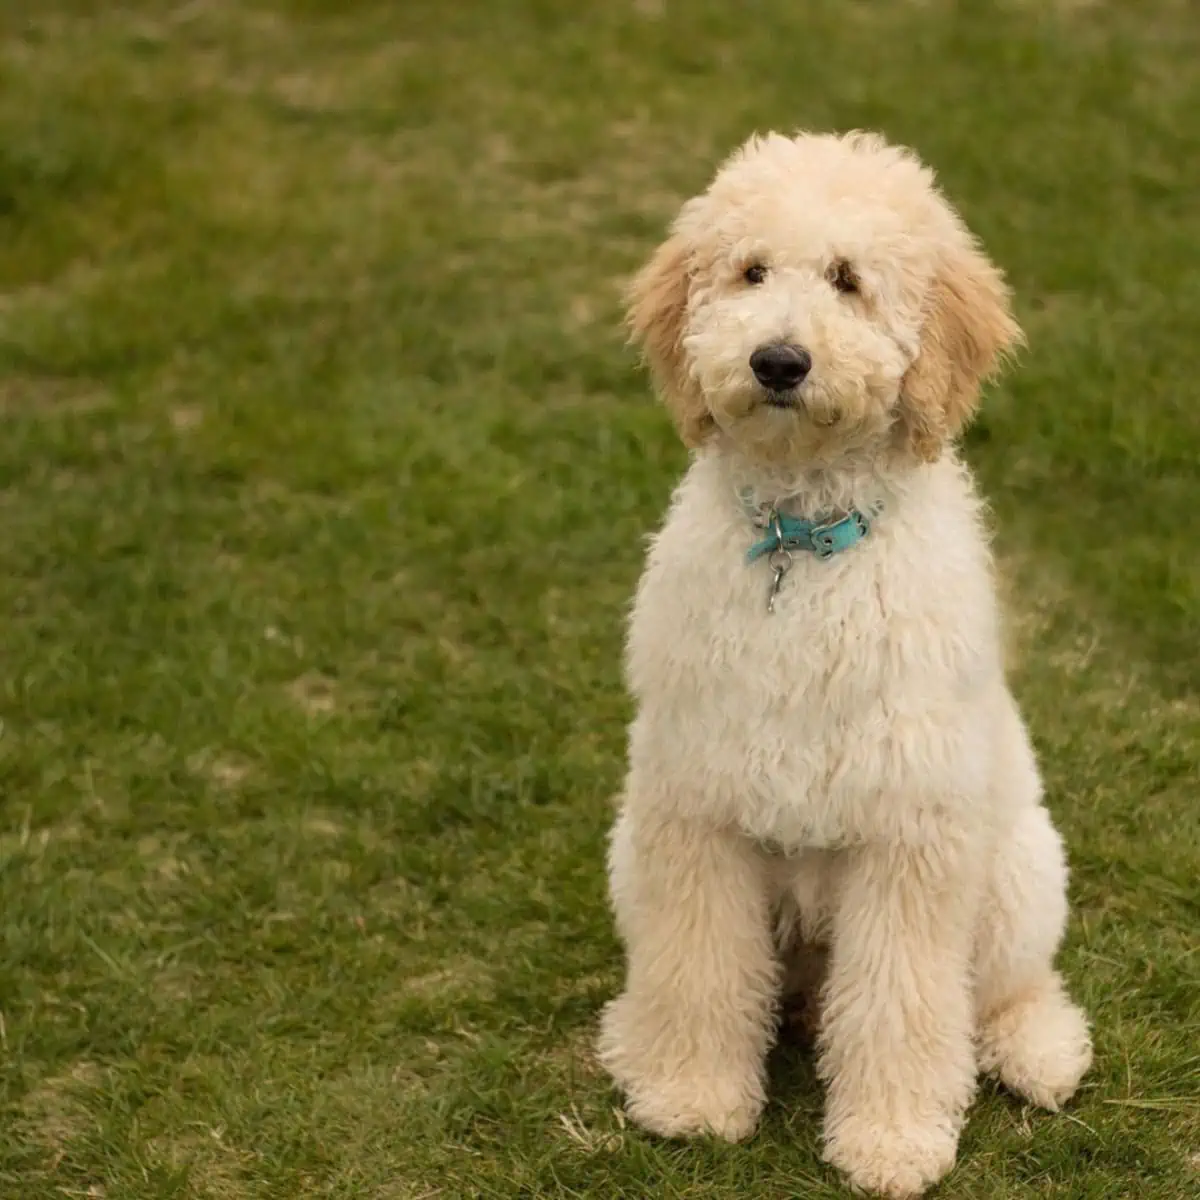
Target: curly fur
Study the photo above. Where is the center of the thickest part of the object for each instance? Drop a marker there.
(842, 791)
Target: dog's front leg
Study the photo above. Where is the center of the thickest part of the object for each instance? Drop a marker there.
(688, 1038)
(896, 1037)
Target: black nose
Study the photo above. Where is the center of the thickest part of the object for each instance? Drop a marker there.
(780, 366)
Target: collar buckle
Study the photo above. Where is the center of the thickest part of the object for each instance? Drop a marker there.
(839, 533)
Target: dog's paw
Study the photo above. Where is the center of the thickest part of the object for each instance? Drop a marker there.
(1039, 1046)
(694, 1108)
(890, 1160)
(672, 1090)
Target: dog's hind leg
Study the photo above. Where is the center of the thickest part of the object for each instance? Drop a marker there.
(1030, 1033)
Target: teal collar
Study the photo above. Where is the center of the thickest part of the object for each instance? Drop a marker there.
(824, 538)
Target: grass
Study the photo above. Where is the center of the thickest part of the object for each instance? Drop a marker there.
(324, 480)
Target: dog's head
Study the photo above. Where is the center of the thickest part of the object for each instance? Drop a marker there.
(821, 299)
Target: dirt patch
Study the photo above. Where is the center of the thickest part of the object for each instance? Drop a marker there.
(226, 772)
(316, 694)
(55, 1112)
(186, 417)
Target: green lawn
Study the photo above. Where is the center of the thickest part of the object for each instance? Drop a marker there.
(324, 481)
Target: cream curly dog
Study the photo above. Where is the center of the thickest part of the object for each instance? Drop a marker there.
(828, 777)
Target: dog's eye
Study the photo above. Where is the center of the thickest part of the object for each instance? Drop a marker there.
(841, 275)
(754, 273)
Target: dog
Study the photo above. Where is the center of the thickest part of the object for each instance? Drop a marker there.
(829, 784)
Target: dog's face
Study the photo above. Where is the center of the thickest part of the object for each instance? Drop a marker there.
(819, 301)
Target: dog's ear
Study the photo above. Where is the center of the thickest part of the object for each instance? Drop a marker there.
(657, 304)
(968, 328)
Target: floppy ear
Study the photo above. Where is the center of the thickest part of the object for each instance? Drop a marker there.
(968, 328)
(657, 303)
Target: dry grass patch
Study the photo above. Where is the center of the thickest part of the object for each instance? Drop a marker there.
(56, 1112)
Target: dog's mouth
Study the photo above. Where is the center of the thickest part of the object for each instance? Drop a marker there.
(792, 400)
(788, 399)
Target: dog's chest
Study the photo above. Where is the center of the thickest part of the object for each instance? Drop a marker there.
(811, 691)
(771, 708)
(793, 723)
